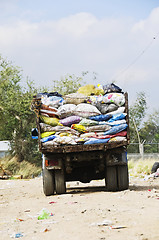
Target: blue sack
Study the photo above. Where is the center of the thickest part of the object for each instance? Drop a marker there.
(101, 117)
(95, 141)
(116, 129)
(49, 138)
(118, 116)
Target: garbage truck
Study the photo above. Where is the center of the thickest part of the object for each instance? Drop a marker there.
(83, 137)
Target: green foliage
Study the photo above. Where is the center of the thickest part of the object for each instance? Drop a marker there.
(16, 119)
(148, 130)
(136, 115)
(68, 84)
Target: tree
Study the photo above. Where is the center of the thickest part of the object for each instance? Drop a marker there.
(68, 84)
(136, 116)
(16, 119)
(150, 132)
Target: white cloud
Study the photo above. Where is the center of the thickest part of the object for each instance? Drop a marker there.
(47, 50)
(148, 26)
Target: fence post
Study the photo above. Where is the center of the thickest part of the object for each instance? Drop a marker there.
(141, 148)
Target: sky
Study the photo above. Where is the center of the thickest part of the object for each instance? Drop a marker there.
(118, 40)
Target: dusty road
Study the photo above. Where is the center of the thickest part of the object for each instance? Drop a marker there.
(82, 213)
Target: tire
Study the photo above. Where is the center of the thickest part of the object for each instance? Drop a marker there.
(122, 177)
(48, 182)
(111, 178)
(155, 167)
(60, 184)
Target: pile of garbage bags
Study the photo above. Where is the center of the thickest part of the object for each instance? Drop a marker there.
(92, 115)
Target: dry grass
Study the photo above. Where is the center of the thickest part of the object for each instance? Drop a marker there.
(24, 168)
(140, 168)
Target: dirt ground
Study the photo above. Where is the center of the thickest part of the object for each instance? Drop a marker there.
(86, 211)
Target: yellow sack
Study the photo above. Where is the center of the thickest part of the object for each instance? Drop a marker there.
(65, 134)
(46, 134)
(50, 121)
(87, 89)
(79, 128)
(99, 91)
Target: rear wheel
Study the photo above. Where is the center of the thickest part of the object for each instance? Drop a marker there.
(48, 182)
(60, 183)
(111, 178)
(122, 177)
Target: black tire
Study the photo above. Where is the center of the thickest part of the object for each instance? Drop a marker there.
(155, 167)
(122, 177)
(111, 178)
(60, 184)
(48, 182)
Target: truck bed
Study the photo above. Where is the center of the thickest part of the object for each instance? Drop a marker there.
(83, 148)
(88, 147)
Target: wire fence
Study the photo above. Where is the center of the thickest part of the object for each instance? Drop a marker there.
(145, 151)
(146, 148)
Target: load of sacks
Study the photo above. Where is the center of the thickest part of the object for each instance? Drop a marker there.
(92, 115)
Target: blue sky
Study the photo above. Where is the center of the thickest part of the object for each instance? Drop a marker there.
(52, 9)
(117, 39)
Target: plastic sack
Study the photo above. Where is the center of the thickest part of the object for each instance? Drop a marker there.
(79, 128)
(86, 110)
(118, 116)
(49, 138)
(46, 94)
(98, 128)
(99, 90)
(47, 128)
(34, 133)
(54, 94)
(88, 122)
(92, 99)
(117, 98)
(45, 107)
(49, 144)
(65, 134)
(75, 98)
(65, 140)
(116, 123)
(101, 117)
(111, 88)
(118, 138)
(106, 108)
(46, 134)
(70, 120)
(122, 134)
(50, 121)
(87, 89)
(66, 110)
(53, 101)
(87, 135)
(96, 141)
(102, 136)
(48, 113)
(119, 110)
(116, 129)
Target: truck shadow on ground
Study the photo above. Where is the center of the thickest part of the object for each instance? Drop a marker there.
(87, 190)
(93, 189)
(147, 187)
